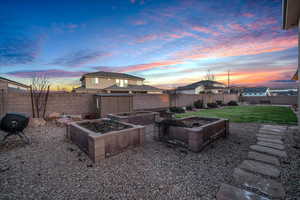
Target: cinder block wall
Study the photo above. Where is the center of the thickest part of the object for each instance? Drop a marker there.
(84, 103)
(150, 101)
(189, 99)
(277, 100)
(69, 103)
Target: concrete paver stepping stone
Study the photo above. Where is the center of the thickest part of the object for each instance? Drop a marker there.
(272, 145)
(269, 140)
(269, 187)
(263, 157)
(228, 192)
(271, 132)
(261, 168)
(268, 150)
(269, 136)
(274, 127)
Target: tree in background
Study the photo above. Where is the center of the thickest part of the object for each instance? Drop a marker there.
(39, 91)
(209, 76)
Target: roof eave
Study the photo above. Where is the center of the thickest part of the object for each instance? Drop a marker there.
(290, 13)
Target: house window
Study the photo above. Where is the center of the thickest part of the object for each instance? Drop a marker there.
(122, 83)
(139, 82)
(96, 80)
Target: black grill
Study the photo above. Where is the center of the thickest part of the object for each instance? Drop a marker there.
(14, 124)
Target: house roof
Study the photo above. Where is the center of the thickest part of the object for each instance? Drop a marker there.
(14, 82)
(295, 76)
(290, 13)
(256, 90)
(133, 88)
(110, 75)
(205, 83)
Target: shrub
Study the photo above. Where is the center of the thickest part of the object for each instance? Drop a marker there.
(177, 110)
(212, 105)
(232, 103)
(189, 108)
(198, 104)
(219, 102)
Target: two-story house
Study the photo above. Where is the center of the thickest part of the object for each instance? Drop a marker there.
(113, 82)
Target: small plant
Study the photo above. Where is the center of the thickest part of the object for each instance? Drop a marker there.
(212, 105)
(232, 103)
(219, 102)
(189, 108)
(198, 104)
(177, 110)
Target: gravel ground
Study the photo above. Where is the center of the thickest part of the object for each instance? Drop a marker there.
(53, 168)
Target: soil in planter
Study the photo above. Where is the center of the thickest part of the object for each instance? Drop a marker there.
(104, 126)
(132, 114)
(188, 123)
(191, 123)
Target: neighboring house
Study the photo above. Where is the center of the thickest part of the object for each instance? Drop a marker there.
(6, 83)
(113, 82)
(256, 92)
(283, 92)
(291, 19)
(205, 86)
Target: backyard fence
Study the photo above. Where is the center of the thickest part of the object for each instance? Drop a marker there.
(275, 100)
(85, 103)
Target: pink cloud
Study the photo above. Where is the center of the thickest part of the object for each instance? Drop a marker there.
(249, 46)
(139, 22)
(261, 23)
(141, 67)
(147, 38)
(205, 30)
(52, 73)
(237, 27)
(248, 15)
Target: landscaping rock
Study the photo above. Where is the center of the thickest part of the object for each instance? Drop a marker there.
(36, 122)
(267, 186)
(228, 192)
(268, 150)
(261, 168)
(263, 157)
(272, 145)
(269, 136)
(53, 115)
(269, 140)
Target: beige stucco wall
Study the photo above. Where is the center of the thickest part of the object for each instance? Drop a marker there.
(89, 82)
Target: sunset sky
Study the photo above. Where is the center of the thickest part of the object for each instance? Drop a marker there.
(168, 42)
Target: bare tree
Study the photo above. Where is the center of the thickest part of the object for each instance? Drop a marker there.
(40, 87)
(209, 76)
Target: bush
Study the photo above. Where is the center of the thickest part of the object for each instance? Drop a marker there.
(212, 105)
(198, 104)
(219, 102)
(189, 108)
(232, 103)
(177, 110)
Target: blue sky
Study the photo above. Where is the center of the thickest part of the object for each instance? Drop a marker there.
(169, 43)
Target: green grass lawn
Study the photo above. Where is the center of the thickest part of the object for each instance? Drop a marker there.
(259, 114)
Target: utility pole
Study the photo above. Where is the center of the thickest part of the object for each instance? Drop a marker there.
(228, 80)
